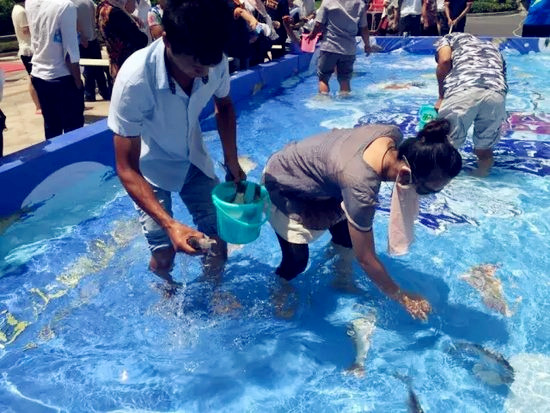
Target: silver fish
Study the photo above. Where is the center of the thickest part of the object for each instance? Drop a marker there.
(492, 368)
(412, 400)
(482, 278)
(360, 330)
(247, 164)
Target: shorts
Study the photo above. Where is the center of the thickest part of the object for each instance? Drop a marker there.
(196, 194)
(291, 230)
(329, 61)
(27, 63)
(485, 108)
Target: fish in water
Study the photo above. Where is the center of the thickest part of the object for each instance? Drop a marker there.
(412, 399)
(247, 164)
(413, 402)
(360, 330)
(482, 278)
(491, 367)
(397, 86)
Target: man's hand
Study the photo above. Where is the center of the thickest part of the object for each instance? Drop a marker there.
(437, 104)
(234, 172)
(78, 83)
(417, 306)
(179, 235)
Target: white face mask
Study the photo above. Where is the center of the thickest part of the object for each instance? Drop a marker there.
(403, 212)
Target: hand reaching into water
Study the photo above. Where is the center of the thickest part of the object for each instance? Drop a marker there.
(416, 305)
(180, 234)
(372, 48)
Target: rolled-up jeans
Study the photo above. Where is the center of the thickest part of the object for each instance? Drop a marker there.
(196, 194)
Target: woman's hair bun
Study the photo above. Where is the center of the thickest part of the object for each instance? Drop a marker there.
(435, 131)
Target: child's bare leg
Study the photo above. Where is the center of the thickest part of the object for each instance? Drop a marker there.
(323, 87)
(345, 86)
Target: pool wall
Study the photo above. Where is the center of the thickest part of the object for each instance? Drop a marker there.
(23, 171)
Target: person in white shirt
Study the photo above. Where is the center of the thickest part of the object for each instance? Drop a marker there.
(55, 68)
(157, 98)
(142, 10)
(409, 14)
(90, 49)
(23, 34)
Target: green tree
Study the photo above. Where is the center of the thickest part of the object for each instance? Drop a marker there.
(6, 27)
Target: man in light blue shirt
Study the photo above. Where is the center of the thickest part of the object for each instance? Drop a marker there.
(156, 102)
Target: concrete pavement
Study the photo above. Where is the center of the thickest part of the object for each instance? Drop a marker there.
(25, 127)
(506, 25)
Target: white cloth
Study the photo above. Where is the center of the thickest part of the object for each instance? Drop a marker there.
(85, 17)
(141, 11)
(142, 104)
(403, 212)
(411, 7)
(53, 36)
(19, 20)
(290, 229)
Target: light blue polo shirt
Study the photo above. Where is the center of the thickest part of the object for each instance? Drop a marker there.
(142, 105)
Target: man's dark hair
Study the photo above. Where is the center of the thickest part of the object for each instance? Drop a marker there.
(199, 28)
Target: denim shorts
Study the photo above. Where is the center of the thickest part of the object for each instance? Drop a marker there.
(329, 61)
(196, 195)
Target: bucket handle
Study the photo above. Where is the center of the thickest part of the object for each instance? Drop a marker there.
(266, 211)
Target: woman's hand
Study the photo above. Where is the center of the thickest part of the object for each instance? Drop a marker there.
(416, 305)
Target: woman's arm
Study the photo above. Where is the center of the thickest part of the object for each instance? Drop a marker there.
(363, 246)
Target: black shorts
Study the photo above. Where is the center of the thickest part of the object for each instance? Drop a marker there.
(27, 63)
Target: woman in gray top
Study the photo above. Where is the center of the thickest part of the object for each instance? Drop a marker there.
(331, 181)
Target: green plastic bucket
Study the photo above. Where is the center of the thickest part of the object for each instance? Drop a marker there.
(239, 223)
(426, 114)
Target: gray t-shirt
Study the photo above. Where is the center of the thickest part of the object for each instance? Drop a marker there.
(323, 179)
(341, 19)
(476, 63)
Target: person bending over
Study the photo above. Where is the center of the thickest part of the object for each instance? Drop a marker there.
(331, 181)
(471, 74)
(157, 99)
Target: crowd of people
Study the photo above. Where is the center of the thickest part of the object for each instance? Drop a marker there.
(422, 17)
(326, 182)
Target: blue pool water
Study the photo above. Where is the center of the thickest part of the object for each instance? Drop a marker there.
(102, 337)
